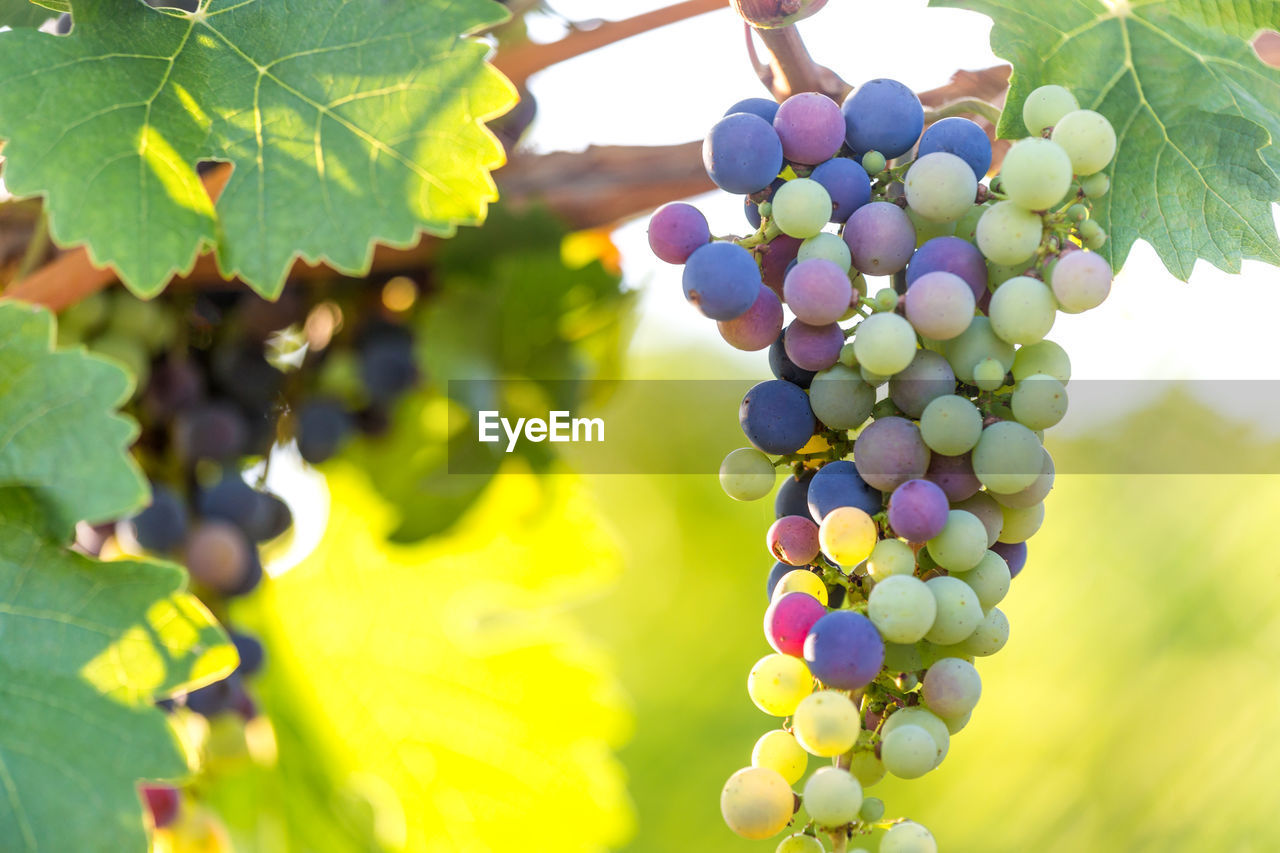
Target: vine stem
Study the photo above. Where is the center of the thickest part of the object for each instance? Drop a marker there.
(963, 106)
(839, 842)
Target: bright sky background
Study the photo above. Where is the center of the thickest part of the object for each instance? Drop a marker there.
(671, 84)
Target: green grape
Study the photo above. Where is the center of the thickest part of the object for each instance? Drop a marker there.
(971, 346)
(875, 380)
(1042, 357)
(998, 274)
(1008, 457)
(840, 399)
(129, 351)
(956, 724)
(847, 356)
(990, 637)
(951, 688)
(765, 209)
(908, 752)
(1039, 401)
(1033, 494)
(779, 751)
(801, 580)
(872, 810)
(960, 545)
(925, 719)
(959, 612)
(1077, 212)
(927, 229)
(951, 425)
(902, 608)
(757, 803)
(906, 681)
(1008, 234)
(1021, 523)
(800, 843)
(967, 225)
(1095, 186)
(988, 374)
(148, 322)
(1092, 234)
(1036, 173)
(941, 187)
(801, 207)
(1045, 106)
(902, 658)
(931, 653)
(777, 683)
(890, 557)
(884, 343)
(746, 474)
(826, 723)
(866, 768)
(873, 162)
(1088, 139)
(908, 837)
(829, 247)
(989, 580)
(886, 299)
(832, 797)
(1022, 310)
(985, 508)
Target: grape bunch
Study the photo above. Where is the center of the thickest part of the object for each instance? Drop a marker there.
(911, 420)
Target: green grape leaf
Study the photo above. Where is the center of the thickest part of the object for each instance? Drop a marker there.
(21, 13)
(1196, 113)
(347, 123)
(60, 434)
(85, 648)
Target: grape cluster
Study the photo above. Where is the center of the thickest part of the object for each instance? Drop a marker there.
(913, 434)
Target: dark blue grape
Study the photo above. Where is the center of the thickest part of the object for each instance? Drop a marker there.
(960, 137)
(270, 518)
(775, 574)
(839, 484)
(722, 280)
(229, 499)
(387, 367)
(762, 107)
(844, 650)
(776, 417)
(213, 431)
(742, 153)
(882, 115)
(323, 425)
(216, 698)
(251, 653)
(162, 526)
(847, 183)
(793, 495)
(784, 368)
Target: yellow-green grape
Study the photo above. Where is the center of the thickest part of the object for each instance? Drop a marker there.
(941, 187)
(955, 724)
(1095, 186)
(1039, 401)
(873, 162)
(989, 580)
(1022, 310)
(778, 750)
(885, 343)
(1077, 213)
(988, 374)
(902, 657)
(959, 613)
(990, 637)
(872, 810)
(908, 837)
(1036, 173)
(1008, 234)
(908, 752)
(777, 683)
(847, 535)
(1008, 458)
(801, 207)
(925, 719)
(886, 299)
(800, 843)
(829, 247)
(961, 543)
(1042, 357)
(927, 229)
(832, 797)
(746, 474)
(890, 557)
(866, 768)
(1092, 234)
(1045, 106)
(1088, 138)
(1021, 523)
(757, 803)
(826, 723)
(801, 580)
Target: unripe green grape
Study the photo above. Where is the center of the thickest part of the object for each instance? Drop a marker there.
(989, 637)
(801, 207)
(829, 247)
(129, 351)
(840, 399)
(746, 474)
(826, 723)
(779, 751)
(1033, 494)
(967, 225)
(986, 510)
(873, 162)
(875, 380)
(1042, 357)
(832, 797)
(1039, 401)
(847, 356)
(757, 803)
(1092, 234)
(988, 374)
(777, 683)
(1096, 186)
(908, 752)
(902, 658)
(908, 837)
(906, 681)
(872, 810)
(1022, 310)
(927, 229)
(931, 653)
(1036, 173)
(959, 546)
(951, 425)
(886, 299)
(941, 187)
(1088, 138)
(800, 843)
(902, 608)
(1021, 523)
(1008, 234)
(1045, 106)
(989, 580)
(925, 719)
(1008, 457)
(884, 343)
(890, 557)
(998, 274)
(1077, 212)
(956, 724)
(959, 613)
(866, 768)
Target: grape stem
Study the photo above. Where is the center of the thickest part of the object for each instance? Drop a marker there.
(839, 841)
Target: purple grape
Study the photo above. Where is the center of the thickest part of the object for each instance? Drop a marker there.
(793, 539)
(839, 484)
(775, 575)
(927, 376)
(811, 128)
(742, 153)
(250, 650)
(776, 418)
(847, 183)
(162, 526)
(954, 475)
(789, 619)
(984, 507)
(776, 258)
(721, 280)
(918, 510)
(890, 451)
(214, 431)
(1014, 554)
(939, 304)
(758, 327)
(882, 115)
(214, 699)
(175, 385)
(762, 107)
(961, 137)
(813, 347)
(784, 368)
(676, 230)
(793, 495)
(817, 291)
(953, 255)
(881, 238)
(844, 650)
